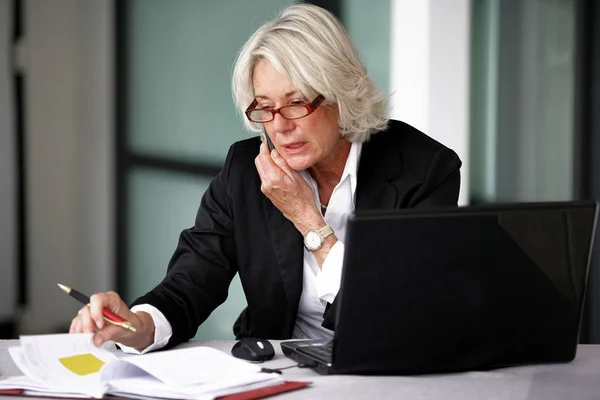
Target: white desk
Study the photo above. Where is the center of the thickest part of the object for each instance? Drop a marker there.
(577, 380)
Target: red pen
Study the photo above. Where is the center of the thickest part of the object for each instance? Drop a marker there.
(109, 316)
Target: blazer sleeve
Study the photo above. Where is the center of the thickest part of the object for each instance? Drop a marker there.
(203, 265)
(442, 181)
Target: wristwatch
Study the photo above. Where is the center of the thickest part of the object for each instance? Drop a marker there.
(314, 239)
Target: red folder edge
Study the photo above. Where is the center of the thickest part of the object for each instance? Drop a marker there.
(286, 386)
(11, 392)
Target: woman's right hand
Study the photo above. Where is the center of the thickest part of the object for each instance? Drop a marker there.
(90, 320)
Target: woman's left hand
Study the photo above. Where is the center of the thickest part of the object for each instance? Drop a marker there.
(288, 191)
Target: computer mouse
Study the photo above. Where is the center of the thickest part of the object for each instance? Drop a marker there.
(252, 349)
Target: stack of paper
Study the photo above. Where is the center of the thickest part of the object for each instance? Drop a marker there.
(71, 366)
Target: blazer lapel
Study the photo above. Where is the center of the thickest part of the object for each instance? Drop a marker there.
(378, 165)
(288, 248)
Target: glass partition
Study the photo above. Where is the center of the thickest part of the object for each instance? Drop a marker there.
(178, 119)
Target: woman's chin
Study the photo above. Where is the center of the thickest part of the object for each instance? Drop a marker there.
(299, 164)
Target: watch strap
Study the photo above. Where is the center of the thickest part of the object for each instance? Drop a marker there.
(325, 231)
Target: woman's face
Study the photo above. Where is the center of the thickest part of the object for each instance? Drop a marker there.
(302, 142)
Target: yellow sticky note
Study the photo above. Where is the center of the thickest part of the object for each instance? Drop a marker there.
(82, 364)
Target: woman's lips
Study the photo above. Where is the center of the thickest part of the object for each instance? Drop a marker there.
(295, 147)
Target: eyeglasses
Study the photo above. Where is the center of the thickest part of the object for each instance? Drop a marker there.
(293, 111)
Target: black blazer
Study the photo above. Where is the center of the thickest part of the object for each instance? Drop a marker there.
(239, 230)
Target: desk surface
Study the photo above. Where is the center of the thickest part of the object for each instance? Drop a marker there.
(579, 379)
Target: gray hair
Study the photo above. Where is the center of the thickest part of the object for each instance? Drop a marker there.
(309, 46)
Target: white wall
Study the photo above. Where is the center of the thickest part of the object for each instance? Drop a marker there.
(68, 60)
(430, 72)
(8, 189)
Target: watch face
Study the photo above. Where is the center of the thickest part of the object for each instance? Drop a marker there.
(313, 240)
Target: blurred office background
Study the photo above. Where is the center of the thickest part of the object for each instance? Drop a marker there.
(116, 114)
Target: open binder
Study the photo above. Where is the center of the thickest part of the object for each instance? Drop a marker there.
(71, 366)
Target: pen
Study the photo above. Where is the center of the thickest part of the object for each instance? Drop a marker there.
(109, 316)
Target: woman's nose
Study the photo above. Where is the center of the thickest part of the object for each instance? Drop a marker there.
(282, 125)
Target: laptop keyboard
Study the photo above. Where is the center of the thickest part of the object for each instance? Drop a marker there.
(321, 351)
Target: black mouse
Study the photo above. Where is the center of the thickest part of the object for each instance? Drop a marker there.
(253, 349)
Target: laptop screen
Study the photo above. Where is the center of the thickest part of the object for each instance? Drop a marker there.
(461, 288)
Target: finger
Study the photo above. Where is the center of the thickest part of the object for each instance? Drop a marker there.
(114, 302)
(97, 303)
(80, 320)
(111, 301)
(109, 332)
(74, 324)
(99, 338)
(87, 324)
(260, 168)
(267, 170)
(281, 163)
(264, 149)
(120, 334)
(260, 159)
(264, 153)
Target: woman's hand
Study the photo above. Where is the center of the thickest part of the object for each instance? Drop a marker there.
(90, 320)
(288, 191)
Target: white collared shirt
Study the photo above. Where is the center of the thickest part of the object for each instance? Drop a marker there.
(319, 286)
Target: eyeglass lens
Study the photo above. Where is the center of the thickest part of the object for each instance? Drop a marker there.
(288, 112)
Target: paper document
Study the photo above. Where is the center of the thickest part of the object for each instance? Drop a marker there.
(71, 366)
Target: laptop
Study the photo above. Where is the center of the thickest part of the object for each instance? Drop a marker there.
(458, 289)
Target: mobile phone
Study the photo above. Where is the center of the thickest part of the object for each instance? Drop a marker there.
(269, 142)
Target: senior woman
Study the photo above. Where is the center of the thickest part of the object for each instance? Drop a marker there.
(278, 217)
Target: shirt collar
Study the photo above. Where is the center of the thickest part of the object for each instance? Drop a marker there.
(351, 167)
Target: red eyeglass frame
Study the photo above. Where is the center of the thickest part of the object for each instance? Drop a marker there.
(310, 107)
